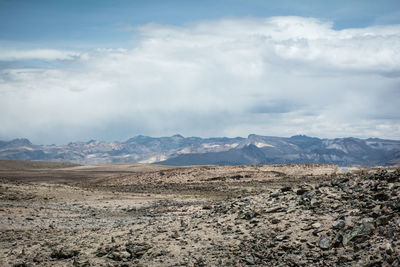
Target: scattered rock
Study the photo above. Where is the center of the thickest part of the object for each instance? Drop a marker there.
(381, 197)
(351, 220)
(248, 215)
(339, 181)
(338, 224)
(63, 253)
(275, 221)
(274, 209)
(324, 242)
(137, 250)
(301, 191)
(316, 225)
(362, 230)
(286, 189)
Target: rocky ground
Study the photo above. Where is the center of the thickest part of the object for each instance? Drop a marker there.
(145, 215)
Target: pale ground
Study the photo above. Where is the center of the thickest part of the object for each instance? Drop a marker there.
(148, 215)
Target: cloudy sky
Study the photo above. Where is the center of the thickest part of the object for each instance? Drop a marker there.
(109, 70)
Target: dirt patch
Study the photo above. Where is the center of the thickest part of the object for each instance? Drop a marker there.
(13, 165)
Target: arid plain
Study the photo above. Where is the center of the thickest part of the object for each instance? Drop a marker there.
(130, 214)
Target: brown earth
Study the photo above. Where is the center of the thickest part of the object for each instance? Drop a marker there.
(133, 214)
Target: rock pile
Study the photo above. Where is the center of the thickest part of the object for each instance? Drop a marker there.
(352, 220)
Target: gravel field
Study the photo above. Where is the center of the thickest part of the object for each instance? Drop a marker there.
(150, 215)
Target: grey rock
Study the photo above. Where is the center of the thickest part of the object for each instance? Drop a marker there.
(381, 197)
(338, 181)
(137, 250)
(363, 230)
(316, 225)
(275, 221)
(63, 253)
(338, 224)
(281, 237)
(324, 242)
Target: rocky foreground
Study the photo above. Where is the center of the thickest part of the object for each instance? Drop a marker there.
(353, 220)
(333, 219)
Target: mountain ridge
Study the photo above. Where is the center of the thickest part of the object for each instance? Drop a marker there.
(179, 150)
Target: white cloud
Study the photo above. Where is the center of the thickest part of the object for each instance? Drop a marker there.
(275, 76)
(42, 54)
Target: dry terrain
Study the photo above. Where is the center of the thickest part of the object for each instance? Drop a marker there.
(130, 214)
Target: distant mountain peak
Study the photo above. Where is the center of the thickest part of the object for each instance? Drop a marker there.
(250, 136)
(300, 136)
(179, 150)
(21, 141)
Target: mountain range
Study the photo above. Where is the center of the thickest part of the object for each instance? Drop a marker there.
(178, 150)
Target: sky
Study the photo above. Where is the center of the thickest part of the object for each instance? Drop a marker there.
(110, 70)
